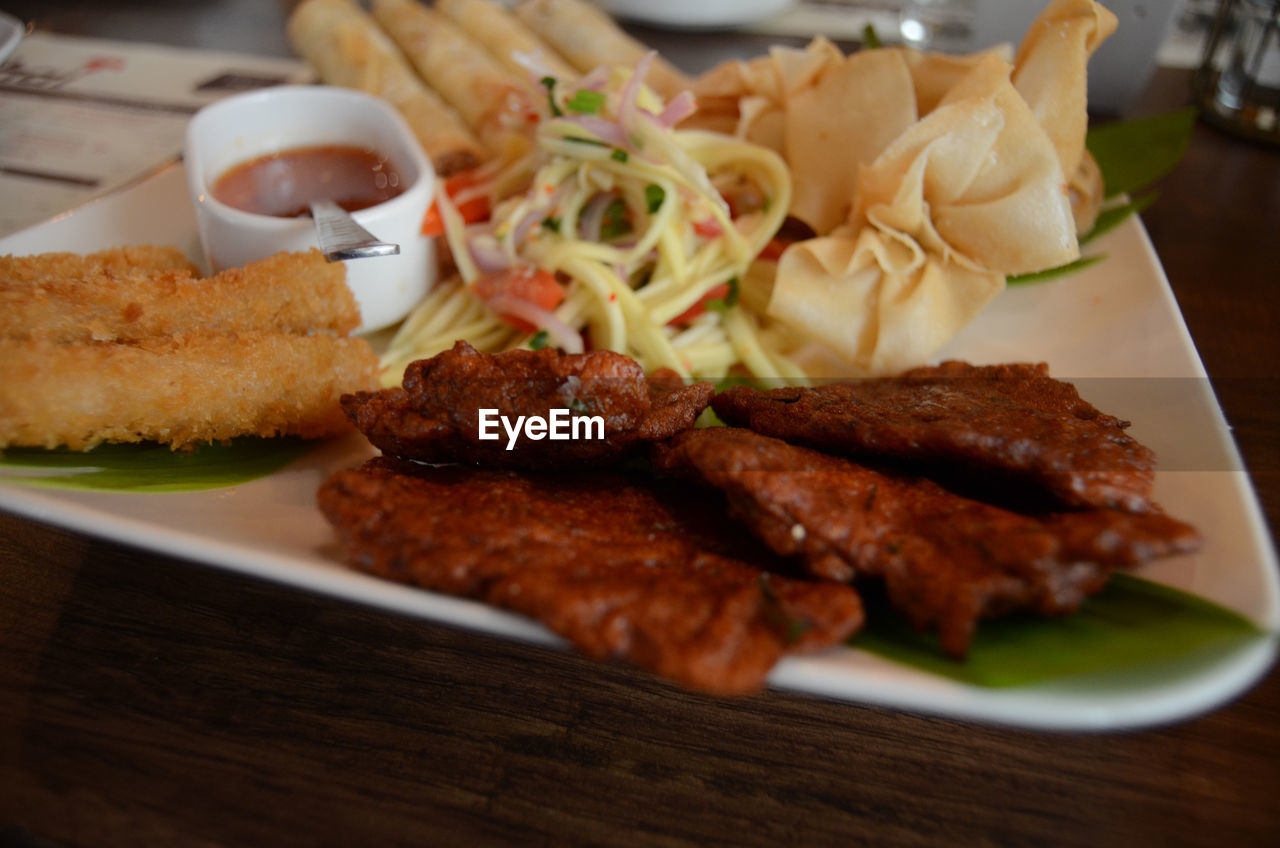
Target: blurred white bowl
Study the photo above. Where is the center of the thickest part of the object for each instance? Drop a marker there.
(247, 126)
(695, 14)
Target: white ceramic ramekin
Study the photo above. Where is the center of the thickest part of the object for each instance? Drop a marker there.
(247, 126)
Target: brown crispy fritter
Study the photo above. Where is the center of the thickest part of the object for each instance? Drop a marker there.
(945, 560)
(1013, 420)
(436, 416)
(623, 569)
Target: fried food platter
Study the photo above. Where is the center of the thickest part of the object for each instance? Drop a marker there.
(1112, 329)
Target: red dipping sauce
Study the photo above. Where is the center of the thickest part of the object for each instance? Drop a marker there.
(285, 184)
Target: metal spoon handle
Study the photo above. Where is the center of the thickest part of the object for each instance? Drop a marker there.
(342, 238)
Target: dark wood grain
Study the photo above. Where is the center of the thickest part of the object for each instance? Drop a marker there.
(149, 701)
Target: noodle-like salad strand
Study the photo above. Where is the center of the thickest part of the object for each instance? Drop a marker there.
(612, 228)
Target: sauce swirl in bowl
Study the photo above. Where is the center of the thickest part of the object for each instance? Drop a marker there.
(284, 184)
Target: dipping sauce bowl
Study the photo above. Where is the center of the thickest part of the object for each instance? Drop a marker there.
(273, 121)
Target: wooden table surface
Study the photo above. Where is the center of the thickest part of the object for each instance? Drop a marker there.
(149, 701)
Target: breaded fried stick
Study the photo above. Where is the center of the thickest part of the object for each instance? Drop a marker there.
(287, 292)
(180, 390)
(42, 267)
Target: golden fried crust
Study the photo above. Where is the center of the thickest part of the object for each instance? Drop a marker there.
(180, 390)
(94, 300)
(68, 266)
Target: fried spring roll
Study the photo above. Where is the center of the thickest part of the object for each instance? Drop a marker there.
(505, 36)
(41, 267)
(179, 390)
(589, 38)
(288, 292)
(347, 49)
(494, 102)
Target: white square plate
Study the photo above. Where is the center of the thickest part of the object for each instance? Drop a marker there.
(1114, 329)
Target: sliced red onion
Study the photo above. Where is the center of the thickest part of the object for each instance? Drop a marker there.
(596, 80)
(561, 334)
(535, 216)
(486, 252)
(630, 94)
(684, 105)
(602, 128)
(592, 218)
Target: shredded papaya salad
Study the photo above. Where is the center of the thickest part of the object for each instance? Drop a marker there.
(615, 231)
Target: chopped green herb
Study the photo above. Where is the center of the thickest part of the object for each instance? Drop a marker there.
(585, 102)
(577, 139)
(579, 406)
(551, 223)
(653, 197)
(870, 40)
(539, 340)
(619, 155)
(615, 222)
(550, 84)
(730, 300)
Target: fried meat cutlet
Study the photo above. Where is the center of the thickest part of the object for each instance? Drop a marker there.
(102, 301)
(1013, 421)
(42, 267)
(435, 417)
(180, 390)
(946, 560)
(623, 569)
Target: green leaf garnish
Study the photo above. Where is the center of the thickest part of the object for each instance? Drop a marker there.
(1055, 272)
(653, 197)
(1134, 154)
(539, 340)
(550, 84)
(1131, 623)
(1131, 156)
(619, 155)
(585, 102)
(1114, 216)
(151, 467)
(551, 224)
(577, 139)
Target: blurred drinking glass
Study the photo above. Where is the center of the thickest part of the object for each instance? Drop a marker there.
(942, 25)
(1238, 83)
